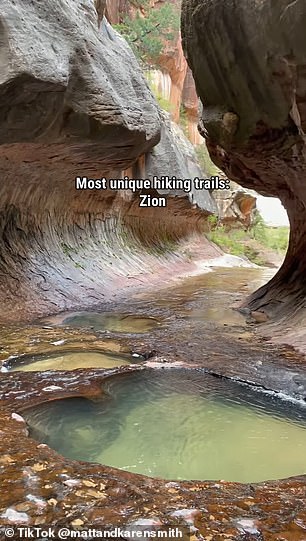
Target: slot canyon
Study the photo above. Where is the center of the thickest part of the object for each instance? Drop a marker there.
(96, 291)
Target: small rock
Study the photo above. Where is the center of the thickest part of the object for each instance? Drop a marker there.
(89, 483)
(186, 514)
(77, 522)
(172, 484)
(14, 516)
(24, 506)
(6, 459)
(38, 501)
(40, 520)
(38, 467)
(247, 525)
(17, 418)
(91, 493)
(244, 311)
(259, 317)
(71, 482)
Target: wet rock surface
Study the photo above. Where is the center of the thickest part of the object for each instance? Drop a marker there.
(252, 85)
(46, 488)
(61, 250)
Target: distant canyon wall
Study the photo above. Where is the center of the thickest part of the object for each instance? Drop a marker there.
(174, 81)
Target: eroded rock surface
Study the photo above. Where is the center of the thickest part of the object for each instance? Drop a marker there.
(236, 205)
(175, 155)
(248, 60)
(63, 81)
(73, 102)
(47, 488)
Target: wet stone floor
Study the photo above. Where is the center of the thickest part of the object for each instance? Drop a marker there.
(73, 356)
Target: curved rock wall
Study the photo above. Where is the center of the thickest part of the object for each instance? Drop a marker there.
(74, 102)
(248, 60)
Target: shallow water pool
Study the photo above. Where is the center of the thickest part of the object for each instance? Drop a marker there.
(70, 361)
(105, 321)
(178, 424)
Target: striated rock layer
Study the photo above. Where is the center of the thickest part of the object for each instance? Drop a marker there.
(236, 206)
(249, 63)
(74, 102)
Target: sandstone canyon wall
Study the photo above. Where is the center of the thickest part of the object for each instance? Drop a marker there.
(249, 63)
(74, 102)
(174, 80)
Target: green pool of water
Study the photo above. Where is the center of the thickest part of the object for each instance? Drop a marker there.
(178, 424)
(71, 361)
(101, 321)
